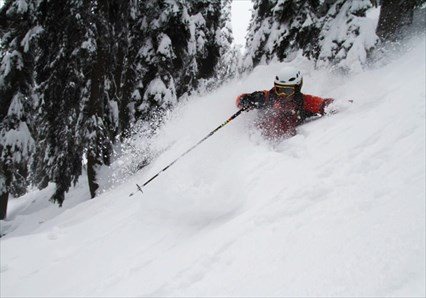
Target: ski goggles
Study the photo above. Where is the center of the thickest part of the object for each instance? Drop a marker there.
(285, 90)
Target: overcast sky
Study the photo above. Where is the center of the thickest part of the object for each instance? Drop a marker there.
(240, 19)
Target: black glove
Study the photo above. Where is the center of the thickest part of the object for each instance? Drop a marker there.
(248, 102)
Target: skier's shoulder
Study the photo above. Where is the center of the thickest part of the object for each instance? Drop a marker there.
(311, 98)
(313, 104)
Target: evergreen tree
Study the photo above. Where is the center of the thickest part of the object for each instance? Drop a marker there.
(173, 46)
(394, 17)
(154, 60)
(16, 98)
(127, 78)
(208, 21)
(347, 35)
(258, 33)
(229, 55)
(279, 28)
(64, 44)
(332, 32)
(78, 108)
(117, 15)
(95, 123)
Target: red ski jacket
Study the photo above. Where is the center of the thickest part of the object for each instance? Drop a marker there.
(279, 116)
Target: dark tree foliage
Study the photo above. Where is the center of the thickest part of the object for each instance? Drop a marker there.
(95, 124)
(17, 28)
(395, 15)
(153, 57)
(279, 28)
(173, 46)
(208, 58)
(334, 33)
(347, 35)
(300, 35)
(61, 77)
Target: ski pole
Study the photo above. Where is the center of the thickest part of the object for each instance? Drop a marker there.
(139, 187)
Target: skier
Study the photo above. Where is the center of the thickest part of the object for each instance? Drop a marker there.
(284, 107)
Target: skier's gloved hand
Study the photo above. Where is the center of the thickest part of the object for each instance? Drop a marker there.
(336, 106)
(247, 102)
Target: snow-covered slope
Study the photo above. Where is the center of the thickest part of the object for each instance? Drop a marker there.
(338, 210)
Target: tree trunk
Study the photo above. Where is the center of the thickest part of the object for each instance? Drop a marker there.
(91, 174)
(4, 198)
(5, 181)
(59, 195)
(394, 15)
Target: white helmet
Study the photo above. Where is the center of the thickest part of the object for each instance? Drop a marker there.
(288, 76)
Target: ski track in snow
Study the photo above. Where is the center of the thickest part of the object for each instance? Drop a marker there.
(338, 210)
